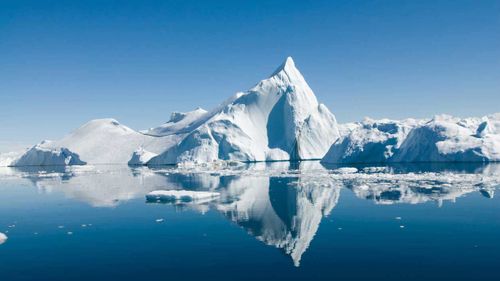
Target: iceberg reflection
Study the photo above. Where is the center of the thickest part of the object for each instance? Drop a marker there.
(280, 204)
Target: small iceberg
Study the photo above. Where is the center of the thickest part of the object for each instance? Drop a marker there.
(3, 238)
(39, 155)
(180, 196)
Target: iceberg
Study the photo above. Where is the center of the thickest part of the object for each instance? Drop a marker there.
(278, 119)
(41, 155)
(3, 238)
(442, 139)
(370, 141)
(450, 139)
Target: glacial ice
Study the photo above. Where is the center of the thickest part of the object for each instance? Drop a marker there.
(279, 119)
(441, 139)
(40, 155)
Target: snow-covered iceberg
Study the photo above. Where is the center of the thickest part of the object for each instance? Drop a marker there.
(278, 119)
(44, 155)
(441, 139)
(449, 139)
(100, 141)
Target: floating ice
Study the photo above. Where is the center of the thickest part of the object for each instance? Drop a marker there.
(3, 238)
(180, 195)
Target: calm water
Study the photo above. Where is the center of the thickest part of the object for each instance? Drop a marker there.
(281, 221)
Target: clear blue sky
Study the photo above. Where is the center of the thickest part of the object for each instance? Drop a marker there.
(63, 63)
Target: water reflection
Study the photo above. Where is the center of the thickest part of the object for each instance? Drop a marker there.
(280, 204)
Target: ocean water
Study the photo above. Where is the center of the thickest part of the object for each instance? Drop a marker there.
(276, 221)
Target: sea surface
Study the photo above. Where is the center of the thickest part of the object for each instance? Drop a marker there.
(274, 221)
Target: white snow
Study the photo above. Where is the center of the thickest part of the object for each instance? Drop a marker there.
(3, 238)
(180, 195)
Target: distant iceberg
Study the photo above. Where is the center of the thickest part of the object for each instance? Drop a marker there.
(40, 155)
(441, 139)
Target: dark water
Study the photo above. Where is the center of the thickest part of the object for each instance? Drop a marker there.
(279, 221)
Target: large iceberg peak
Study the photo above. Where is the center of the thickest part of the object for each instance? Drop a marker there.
(278, 119)
(288, 67)
(287, 74)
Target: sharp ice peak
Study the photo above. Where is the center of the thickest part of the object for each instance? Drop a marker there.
(287, 66)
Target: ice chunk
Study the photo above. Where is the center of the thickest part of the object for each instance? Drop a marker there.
(180, 195)
(3, 238)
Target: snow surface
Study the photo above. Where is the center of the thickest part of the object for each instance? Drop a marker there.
(179, 122)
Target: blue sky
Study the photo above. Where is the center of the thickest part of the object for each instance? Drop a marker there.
(63, 63)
